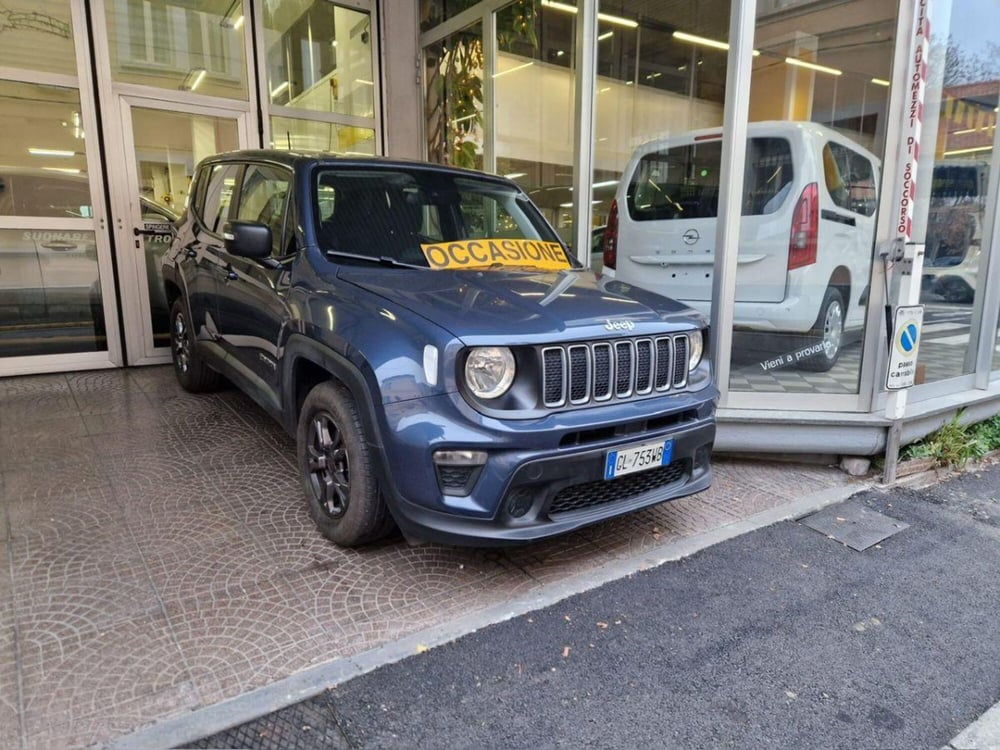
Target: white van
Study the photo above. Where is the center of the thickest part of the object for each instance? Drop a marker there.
(805, 248)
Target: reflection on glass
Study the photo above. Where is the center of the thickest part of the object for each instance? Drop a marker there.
(659, 76)
(453, 99)
(319, 57)
(433, 12)
(37, 35)
(290, 134)
(191, 46)
(964, 96)
(42, 152)
(168, 145)
(534, 134)
(50, 293)
(818, 88)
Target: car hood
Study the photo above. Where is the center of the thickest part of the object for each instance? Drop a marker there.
(511, 306)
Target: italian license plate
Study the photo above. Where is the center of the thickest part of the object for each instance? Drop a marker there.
(638, 458)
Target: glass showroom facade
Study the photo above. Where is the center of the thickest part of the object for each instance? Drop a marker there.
(752, 158)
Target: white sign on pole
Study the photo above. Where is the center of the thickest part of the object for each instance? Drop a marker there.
(905, 343)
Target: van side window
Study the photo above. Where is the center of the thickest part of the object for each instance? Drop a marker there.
(263, 199)
(219, 188)
(850, 179)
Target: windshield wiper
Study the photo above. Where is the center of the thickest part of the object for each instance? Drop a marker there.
(382, 260)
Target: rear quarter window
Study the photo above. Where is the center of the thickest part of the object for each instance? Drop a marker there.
(850, 179)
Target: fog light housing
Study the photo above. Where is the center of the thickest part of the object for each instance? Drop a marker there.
(520, 502)
(458, 470)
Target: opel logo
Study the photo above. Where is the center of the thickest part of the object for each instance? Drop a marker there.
(691, 236)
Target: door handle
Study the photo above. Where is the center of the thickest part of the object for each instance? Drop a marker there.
(152, 232)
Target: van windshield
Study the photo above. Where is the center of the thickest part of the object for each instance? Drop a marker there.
(683, 182)
(396, 214)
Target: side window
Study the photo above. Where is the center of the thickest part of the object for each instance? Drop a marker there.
(768, 176)
(262, 199)
(218, 195)
(850, 179)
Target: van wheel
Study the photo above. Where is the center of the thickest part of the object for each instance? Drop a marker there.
(827, 334)
(957, 291)
(337, 469)
(192, 373)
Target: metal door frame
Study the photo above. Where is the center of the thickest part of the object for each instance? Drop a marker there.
(127, 212)
(98, 223)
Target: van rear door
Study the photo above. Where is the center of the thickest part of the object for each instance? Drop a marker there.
(672, 203)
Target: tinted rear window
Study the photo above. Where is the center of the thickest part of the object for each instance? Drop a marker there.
(683, 182)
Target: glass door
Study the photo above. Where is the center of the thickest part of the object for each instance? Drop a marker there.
(163, 143)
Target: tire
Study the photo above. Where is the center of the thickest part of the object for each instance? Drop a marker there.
(956, 291)
(827, 333)
(337, 469)
(192, 373)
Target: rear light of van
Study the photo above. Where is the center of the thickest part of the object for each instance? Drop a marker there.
(609, 245)
(805, 229)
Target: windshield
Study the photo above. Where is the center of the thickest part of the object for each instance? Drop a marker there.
(402, 215)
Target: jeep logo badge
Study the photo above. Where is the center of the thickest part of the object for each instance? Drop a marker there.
(618, 325)
(691, 236)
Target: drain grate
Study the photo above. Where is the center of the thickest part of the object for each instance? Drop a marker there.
(854, 525)
(309, 724)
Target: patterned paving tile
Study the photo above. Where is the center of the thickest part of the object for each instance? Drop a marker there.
(10, 727)
(22, 409)
(6, 580)
(192, 522)
(166, 560)
(238, 643)
(137, 419)
(554, 559)
(39, 453)
(97, 675)
(152, 380)
(51, 485)
(47, 384)
(9, 699)
(101, 382)
(68, 546)
(68, 609)
(43, 518)
(228, 565)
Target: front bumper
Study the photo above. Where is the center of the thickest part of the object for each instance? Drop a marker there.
(545, 477)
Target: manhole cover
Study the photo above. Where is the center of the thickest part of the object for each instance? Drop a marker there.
(854, 525)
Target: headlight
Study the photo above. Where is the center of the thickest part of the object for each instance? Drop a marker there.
(489, 371)
(696, 347)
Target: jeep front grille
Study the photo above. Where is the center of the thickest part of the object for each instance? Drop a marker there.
(597, 371)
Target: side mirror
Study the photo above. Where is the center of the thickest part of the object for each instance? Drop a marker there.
(247, 239)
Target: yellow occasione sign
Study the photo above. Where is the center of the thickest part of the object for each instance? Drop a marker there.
(545, 256)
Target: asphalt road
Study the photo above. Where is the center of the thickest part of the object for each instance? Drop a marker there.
(780, 638)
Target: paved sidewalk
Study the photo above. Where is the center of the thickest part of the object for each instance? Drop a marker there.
(156, 556)
(782, 637)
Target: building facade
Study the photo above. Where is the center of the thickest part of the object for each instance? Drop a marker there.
(796, 169)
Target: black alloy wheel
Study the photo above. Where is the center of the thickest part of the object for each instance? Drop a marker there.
(329, 465)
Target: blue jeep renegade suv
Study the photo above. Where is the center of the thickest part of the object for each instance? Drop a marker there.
(442, 360)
